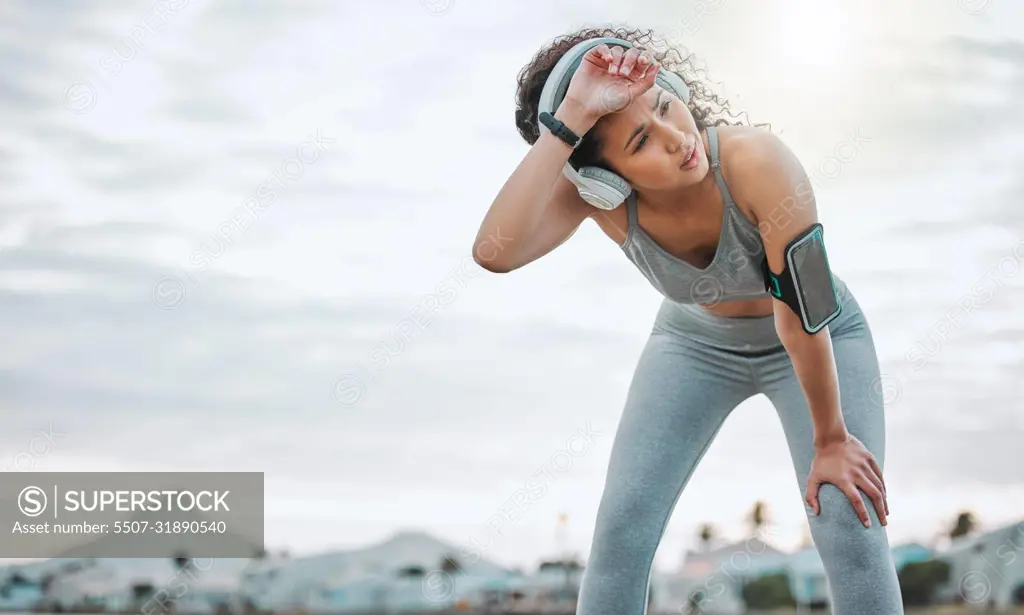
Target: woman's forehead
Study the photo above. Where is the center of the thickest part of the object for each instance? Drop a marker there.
(638, 109)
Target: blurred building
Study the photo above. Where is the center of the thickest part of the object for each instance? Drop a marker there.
(715, 578)
(411, 571)
(986, 570)
(120, 585)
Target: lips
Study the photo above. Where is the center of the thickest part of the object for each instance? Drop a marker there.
(690, 159)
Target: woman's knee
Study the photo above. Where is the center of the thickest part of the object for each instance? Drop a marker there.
(839, 534)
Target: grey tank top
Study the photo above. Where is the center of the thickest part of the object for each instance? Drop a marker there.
(733, 275)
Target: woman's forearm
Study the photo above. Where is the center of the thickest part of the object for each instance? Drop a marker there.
(815, 368)
(521, 204)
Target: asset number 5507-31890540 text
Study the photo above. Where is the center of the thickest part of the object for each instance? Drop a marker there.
(170, 527)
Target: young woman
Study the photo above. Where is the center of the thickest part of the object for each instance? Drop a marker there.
(708, 201)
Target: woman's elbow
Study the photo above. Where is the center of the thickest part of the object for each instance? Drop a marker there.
(492, 266)
(491, 260)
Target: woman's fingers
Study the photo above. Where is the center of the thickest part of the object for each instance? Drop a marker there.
(649, 77)
(811, 495)
(641, 85)
(644, 64)
(629, 62)
(873, 490)
(872, 475)
(878, 472)
(613, 66)
(632, 63)
(600, 56)
(850, 489)
(875, 477)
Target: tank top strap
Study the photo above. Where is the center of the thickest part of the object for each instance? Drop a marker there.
(716, 165)
(631, 214)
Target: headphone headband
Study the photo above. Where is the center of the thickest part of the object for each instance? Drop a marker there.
(558, 80)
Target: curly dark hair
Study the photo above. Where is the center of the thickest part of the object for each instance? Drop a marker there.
(705, 105)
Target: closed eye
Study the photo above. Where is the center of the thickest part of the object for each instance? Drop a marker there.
(662, 111)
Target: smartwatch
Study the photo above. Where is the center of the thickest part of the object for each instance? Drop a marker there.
(560, 130)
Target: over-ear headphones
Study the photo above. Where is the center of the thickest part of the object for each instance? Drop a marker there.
(599, 187)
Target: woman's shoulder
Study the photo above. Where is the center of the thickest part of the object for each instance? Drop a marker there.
(742, 146)
(751, 154)
(757, 165)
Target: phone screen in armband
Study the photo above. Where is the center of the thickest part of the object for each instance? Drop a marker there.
(816, 292)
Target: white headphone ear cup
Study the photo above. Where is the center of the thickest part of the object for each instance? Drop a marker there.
(602, 188)
(672, 82)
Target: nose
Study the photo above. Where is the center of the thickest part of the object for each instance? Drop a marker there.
(675, 140)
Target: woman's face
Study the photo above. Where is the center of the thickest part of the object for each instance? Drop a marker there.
(654, 143)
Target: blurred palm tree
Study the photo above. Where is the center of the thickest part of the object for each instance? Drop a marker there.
(706, 534)
(966, 523)
(694, 603)
(450, 565)
(182, 563)
(758, 517)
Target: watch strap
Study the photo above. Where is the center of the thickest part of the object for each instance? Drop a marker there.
(560, 130)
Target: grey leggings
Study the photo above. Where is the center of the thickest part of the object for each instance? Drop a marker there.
(695, 369)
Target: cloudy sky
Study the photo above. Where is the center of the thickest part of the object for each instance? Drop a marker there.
(234, 235)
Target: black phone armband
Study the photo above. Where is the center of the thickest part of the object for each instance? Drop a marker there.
(805, 283)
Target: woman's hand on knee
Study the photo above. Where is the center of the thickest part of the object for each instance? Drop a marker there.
(849, 466)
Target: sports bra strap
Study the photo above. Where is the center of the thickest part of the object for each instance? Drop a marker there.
(716, 164)
(634, 220)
